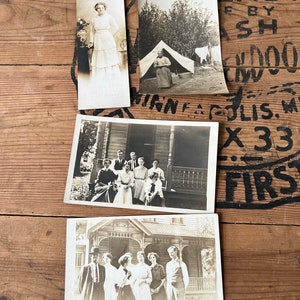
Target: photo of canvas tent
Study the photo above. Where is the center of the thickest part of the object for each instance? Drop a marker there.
(179, 63)
(169, 32)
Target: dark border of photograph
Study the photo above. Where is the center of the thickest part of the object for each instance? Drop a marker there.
(192, 240)
(167, 166)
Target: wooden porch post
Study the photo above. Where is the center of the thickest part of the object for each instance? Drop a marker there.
(170, 159)
(101, 149)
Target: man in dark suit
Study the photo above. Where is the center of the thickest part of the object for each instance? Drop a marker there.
(118, 163)
(92, 278)
(133, 161)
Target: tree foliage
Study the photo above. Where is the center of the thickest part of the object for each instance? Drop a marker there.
(87, 139)
(151, 27)
(184, 27)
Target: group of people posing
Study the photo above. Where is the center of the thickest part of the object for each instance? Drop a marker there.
(134, 281)
(129, 182)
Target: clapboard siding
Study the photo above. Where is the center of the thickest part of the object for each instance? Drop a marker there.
(117, 139)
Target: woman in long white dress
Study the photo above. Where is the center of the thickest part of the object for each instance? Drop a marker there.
(105, 59)
(111, 273)
(125, 183)
(142, 278)
(140, 175)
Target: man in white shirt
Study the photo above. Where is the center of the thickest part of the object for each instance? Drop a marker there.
(153, 191)
(177, 275)
(118, 163)
(156, 169)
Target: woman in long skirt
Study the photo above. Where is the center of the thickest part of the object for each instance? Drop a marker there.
(158, 278)
(110, 277)
(125, 183)
(105, 61)
(140, 175)
(142, 278)
(124, 279)
(163, 73)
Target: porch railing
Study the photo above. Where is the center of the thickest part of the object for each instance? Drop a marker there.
(198, 284)
(187, 180)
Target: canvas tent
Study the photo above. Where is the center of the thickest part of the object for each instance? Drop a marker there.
(179, 63)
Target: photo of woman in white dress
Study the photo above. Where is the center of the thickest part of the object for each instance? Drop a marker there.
(107, 83)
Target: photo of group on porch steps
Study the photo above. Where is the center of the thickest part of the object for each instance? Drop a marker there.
(129, 163)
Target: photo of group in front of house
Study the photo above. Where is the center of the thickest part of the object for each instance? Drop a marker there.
(143, 164)
(150, 257)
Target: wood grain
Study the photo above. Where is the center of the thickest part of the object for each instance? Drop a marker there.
(260, 244)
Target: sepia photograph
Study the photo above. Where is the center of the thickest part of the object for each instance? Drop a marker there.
(157, 165)
(144, 257)
(179, 47)
(103, 78)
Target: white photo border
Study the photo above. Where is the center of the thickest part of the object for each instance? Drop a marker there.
(200, 60)
(211, 164)
(103, 79)
(201, 219)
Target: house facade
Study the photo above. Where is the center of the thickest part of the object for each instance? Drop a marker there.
(154, 234)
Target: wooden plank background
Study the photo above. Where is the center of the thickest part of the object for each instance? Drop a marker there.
(257, 199)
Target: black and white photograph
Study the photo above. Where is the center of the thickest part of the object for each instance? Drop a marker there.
(179, 47)
(144, 257)
(103, 78)
(167, 166)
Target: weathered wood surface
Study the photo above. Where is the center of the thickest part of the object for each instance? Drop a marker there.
(258, 201)
(33, 251)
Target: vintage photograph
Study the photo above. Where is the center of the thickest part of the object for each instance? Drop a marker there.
(103, 78)
(146, 257)
(179, 47)
(166, 166)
